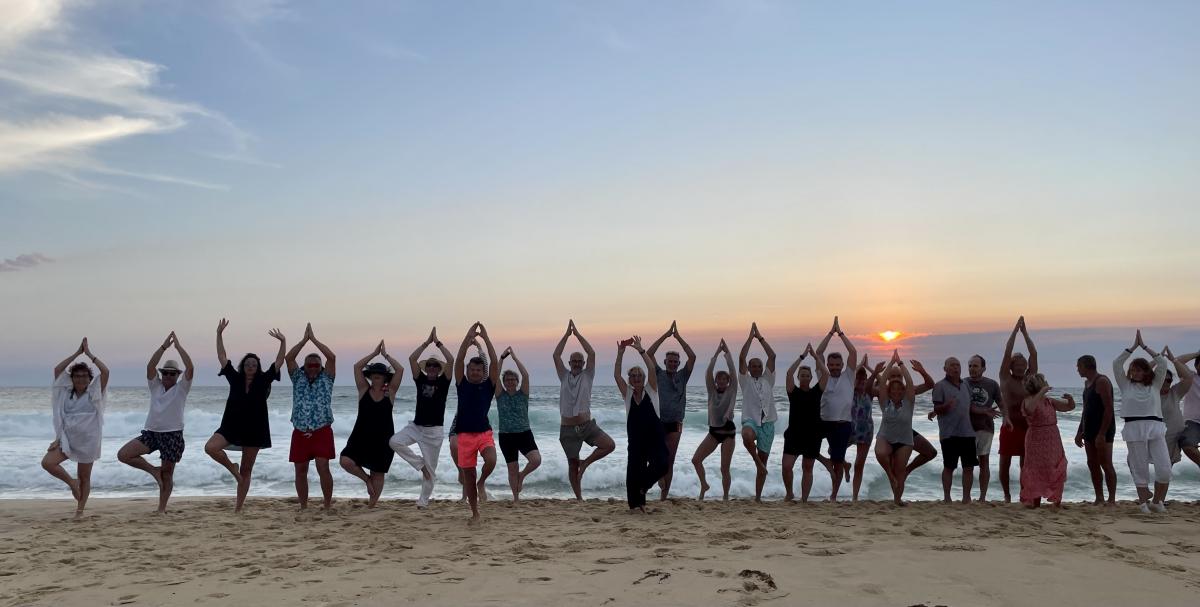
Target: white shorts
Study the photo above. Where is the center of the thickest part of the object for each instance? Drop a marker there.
(983, 442)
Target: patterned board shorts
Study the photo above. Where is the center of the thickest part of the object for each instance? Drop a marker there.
(168, 444)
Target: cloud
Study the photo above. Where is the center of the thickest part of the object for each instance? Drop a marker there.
(24, 262)
(72, 99)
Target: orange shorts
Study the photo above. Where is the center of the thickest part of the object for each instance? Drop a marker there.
(471, 444)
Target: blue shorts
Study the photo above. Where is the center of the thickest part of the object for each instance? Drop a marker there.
(764, 434)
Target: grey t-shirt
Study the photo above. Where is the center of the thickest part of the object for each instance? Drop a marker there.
(672, 393)
(958, 421)
(985, 392)
(720, 405)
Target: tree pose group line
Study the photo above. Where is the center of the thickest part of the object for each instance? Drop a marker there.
(1161, 417)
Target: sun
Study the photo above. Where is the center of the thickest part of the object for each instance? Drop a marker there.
(890, 335)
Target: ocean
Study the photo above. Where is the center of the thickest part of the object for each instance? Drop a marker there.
(26, 420)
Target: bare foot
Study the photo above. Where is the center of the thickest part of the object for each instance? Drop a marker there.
(789, 498)
(703, 489)
(235, 471)
(426, 473)
(475, 521)
(846, 469)
(78, 514)
(582, 467)
(156, 472)
(74, 485)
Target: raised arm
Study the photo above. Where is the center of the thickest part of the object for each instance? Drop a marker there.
(295, 351)
(687, 349)
(1181, 370)
(910, 389)
(1030, 404)
(222, 359)
(1064, 404)
(822, 370)
(1033, 355)
(790, 383)
(742, 369)
(884, 371)
(152, 366)
(359, 381)
(559, 367)
(1006, 360)
(658, 342)
(414, 359)
(621, 385)
(459, 367)
(1119, 368)
(590, 351)
(927, 382)
(331, 358)
(62, 366)
(828, 336)
(493, 360)
(1187, 358)
(277, 334)
(99, 366)
(521, 368)
(651, 376)
(851, 351)
(710, 382)
(770, 353)
(397, 370)
(189, 369)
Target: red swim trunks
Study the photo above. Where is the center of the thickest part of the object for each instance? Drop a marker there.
(1012, 440)
(307, 446)
(471, 444)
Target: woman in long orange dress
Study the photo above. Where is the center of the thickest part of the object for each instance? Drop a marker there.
(1045, 470)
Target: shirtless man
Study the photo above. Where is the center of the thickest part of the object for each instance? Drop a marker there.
(672, 395)
(757, 383)
(1013, 369)
(575, 408)
(1190, 440)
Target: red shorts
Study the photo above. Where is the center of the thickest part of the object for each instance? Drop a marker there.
(1012, 441)
(471, 444)
(307, 446)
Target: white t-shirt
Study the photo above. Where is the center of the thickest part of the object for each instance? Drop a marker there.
(166, 406)
(837, 401)
(575, 393)
(758, 397)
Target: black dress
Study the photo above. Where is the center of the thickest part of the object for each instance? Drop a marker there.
(648, 453)
(245, 423)
(368, 443)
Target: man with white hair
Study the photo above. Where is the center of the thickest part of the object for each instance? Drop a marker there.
(672, 396)
(757, 382)
(837, 401)
(952, 406)
(163, 431)
(576, 425)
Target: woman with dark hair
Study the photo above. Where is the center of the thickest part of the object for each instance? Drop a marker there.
(77, 400)
(897, 397)
(244, 424)
(1045, 469)
(1144, 431)
(864, 424)
(368, 448)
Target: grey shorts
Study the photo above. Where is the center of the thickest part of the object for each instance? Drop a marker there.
(1190, 436)
(572, 438)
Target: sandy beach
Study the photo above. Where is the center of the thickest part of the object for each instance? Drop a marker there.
(553, 552)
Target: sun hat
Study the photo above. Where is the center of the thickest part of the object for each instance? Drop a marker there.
(378, 369)
(171, 365)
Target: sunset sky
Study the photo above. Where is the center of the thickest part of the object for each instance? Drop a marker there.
(936, 168)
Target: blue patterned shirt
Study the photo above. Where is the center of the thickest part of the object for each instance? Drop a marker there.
(312, 406)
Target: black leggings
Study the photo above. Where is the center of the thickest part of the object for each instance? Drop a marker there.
(648, 453)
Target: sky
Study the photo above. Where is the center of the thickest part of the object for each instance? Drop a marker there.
(378, 168)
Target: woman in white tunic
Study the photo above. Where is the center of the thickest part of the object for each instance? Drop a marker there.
(77, 398)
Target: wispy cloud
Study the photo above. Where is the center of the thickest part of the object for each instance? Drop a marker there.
(73, 99)
(24, 262)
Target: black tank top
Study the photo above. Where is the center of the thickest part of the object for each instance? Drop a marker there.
(1093, 404)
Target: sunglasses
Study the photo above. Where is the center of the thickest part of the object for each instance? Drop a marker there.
(313, 365)
(170, 373)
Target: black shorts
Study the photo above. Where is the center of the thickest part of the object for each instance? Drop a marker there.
(804, 443)
(838, 434)
(959, 448)
(513, 442)
(168, 444)
(723, 433)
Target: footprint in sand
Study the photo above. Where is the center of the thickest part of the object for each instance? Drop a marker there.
(959, 547)
(653, 573)
(612, 560)
(530, 580)
(824, 552)
(427, 570)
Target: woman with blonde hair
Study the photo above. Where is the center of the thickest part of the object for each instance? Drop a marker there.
(897, 397)
(1045, 470)
(648, 455)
